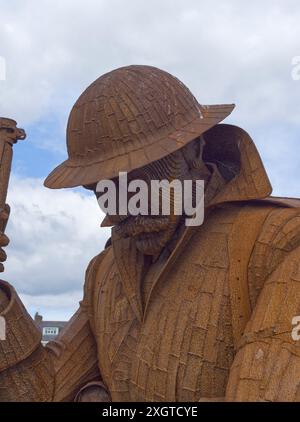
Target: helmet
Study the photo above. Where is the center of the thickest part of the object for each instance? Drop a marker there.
(126, 119)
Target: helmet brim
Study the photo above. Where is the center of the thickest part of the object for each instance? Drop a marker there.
(70, 174)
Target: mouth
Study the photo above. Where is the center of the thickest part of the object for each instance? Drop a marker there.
(142, 227)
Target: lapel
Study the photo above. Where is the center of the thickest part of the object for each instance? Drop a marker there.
(251, 183)
(130, 264)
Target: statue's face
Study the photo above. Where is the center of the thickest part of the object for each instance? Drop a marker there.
(151, 233)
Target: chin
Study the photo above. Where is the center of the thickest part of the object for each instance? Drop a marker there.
(151, 243)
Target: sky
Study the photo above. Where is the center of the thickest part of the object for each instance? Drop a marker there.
(247, 53)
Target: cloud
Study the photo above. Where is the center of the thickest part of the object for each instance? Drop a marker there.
(53, 307)
(229, 51)
(54, 235)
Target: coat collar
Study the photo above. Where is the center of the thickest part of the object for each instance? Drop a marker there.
(252, 181)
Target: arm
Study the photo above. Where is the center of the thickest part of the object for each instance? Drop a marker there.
(267, 364)
(57, 372)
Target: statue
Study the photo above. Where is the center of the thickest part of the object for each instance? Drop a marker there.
(169, 312)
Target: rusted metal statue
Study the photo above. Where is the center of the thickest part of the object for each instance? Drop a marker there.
(169, 313)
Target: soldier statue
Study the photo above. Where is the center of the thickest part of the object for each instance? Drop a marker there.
(170, 313)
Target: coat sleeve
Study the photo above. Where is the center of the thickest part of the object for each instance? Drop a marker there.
(267, 363)
(57, 372)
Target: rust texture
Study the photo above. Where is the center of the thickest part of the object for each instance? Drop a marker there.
(9, 135)
(185, 313)
(128, 118)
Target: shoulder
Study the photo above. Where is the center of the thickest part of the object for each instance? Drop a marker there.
(278, 238)
(251, 217)
(281, 201)
(270, 211)
(281, 228)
